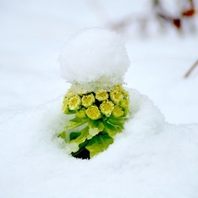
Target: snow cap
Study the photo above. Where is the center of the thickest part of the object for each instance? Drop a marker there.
(94, 58)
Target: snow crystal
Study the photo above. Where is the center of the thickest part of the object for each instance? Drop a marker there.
(94, 55)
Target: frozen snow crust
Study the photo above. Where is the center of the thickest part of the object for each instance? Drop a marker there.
(150, 158)
(94, 55)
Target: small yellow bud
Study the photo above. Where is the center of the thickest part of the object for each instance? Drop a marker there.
(124, 103)
(118, 87)
(117, 112)
(88, 100)
(70, 93)
(74, 102)
(121, 90)
(116, 96)
(93, 112)
(107, 107)
(102, 95)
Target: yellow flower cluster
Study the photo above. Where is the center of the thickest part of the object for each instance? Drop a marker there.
(95, 105)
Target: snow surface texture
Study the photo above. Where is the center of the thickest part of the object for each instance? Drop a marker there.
(150, 158)
(94, 56)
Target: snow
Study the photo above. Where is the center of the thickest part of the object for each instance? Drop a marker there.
(149, 158)
(92, 55)
(157, 153)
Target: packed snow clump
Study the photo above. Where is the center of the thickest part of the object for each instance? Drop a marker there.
(96, 56)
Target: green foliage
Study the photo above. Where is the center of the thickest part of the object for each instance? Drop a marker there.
(99, 143)
(75, 122)
(81, 137)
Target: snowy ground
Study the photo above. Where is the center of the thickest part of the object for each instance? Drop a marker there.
(156, 156)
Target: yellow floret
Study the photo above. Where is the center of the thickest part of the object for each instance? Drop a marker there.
(124, 103)
(74, 102)
(102, 95)
(117, 112)
(107, 107)
(70, 93)
(121, 90)
(93, 112)
(116, 96)
(88, 100)
(118, 87)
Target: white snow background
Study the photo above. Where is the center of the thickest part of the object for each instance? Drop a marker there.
(156, 155)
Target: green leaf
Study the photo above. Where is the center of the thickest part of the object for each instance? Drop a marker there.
(69, 112)
(74, 135)
(82, 137)
(95, 127)
(62, 135)
(99, 143)
(75, 122)
(96, 124)
(66, 110)
(119, 120)
(112, 128)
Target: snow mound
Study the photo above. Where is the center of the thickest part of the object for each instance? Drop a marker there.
(150, 158)
(94, 55)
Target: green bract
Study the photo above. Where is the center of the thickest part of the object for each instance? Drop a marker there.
(98, 117)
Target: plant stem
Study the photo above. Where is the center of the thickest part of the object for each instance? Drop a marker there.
(191, 69)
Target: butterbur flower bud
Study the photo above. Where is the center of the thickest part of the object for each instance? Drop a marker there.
(88, 100)
(96, 97)
(93, 112)
(117, 111)
(101, 112)
(107, 107)
(102, 95)
(74, 102)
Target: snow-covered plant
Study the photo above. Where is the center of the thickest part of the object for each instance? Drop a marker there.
(98, 117)
(94, 61)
